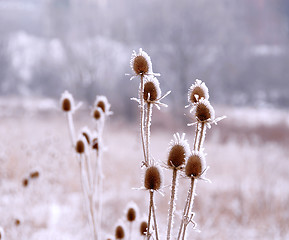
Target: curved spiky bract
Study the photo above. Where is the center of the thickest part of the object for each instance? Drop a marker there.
(141, 63)
(196, 165)
(198, 91)
(178, 150)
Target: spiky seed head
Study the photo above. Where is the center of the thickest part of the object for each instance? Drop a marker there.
(196, 165)
(152, 89)
(96, 114)
(141, 63)
(102, 103)
(177, 156)
(25, 182)
(95, 144)
(153, 178)
(119, 232)
(87, 134)
(131, 214)
(204, 111)
(34, 174)
(17, 222)
(198, 91)
(143, 228)
(67, 102)
(80, 146)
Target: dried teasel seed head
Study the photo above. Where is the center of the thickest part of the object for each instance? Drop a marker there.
(67, 102)
(80, 145)
(204, 111)
(196, 165)
(102, 103)
(34, 174)
(87, 134)
(95, 144)
(96, 114)
(143, 228)
(141, 63)
(25, 182)
(119, 232)
(131, 212)
(152, 90)
(178, 151)
(17, 222)
(153, 178)
(198, 91)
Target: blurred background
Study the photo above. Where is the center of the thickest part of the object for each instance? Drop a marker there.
(239, 48)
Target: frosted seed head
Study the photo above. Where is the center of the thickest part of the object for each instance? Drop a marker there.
(17, 222)
(152, 90)
(119, 232)
(141, 63)
(34, 174)
(204, 111)
(153, 178)
(87, 134)
(196, 165)
(131, 212)
(25, 182)
(143, 228)
(198, 91)
(67, 102)
(80, 145)
(102, 103)
(95, 144)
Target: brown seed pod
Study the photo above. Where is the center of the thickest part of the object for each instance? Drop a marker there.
(80, 146)
(95, 144)
(153, 179)
(177, 156)
(17, 222)
(25, 182)
(143, 228)
(34, 174)
(66, 105)
(97, 114)
(131, 214)
(101, 105)
(150, 91)
(195, 165)
(119, 232)
(198, 91)
(204, 111)
(140, 65)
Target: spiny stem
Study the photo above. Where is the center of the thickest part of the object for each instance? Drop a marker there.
(154, 216)
(196, 136)
(142, 119)
(172, 203)
(201, 136)
(148, 123)
(149, 216)
(190, 205)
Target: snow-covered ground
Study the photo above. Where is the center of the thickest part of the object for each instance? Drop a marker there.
(247, 199)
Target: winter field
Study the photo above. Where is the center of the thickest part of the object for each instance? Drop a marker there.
(247, 154)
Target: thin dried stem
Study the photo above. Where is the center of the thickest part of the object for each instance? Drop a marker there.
(196, 136)
(172, 203)
(201, 135)
(154, 216)
(149, 216)
(148, 123)
(71, 127)
(142, 118)
(190, 205)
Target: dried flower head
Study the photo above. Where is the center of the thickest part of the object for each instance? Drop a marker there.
(67, 102)
(102, 103)
(152, 91)
(17, 222)
(25, 182)
(141, 63)
(119, 232)
(196, 165)
(153, 178)
(198, 91)
(143, 228)
(95, 144)
(131, 212)
(80, 145)
(204, 111)
(178, 151)
(34, 174)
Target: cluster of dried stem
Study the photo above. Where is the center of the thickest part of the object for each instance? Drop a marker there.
(90, 167)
